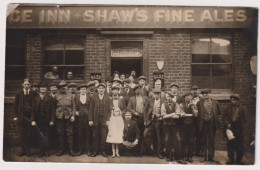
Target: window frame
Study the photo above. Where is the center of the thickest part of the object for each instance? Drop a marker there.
(64, 66)
(229, 38)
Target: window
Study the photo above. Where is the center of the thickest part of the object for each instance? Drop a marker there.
(15, 55)
(211, 63)
(62, 56)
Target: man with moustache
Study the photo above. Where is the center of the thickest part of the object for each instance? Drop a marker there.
(127, 91)
(99, 116)
(208, 111)
(43, 116)
(65, 116)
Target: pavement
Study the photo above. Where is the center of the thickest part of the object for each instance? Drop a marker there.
(10, 154)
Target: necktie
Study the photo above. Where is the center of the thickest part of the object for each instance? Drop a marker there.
(27, 92)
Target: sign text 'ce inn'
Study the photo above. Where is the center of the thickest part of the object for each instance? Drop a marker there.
(130, 17)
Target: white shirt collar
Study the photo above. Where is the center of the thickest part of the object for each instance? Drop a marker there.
(25, 91)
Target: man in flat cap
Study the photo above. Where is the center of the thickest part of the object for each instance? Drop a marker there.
(91, 88)
(73, 89)
(22, 109)
(82, 104)
(175, 90)
(43, 116)
(116, 100)
(145, 90)
(158, 85)
(108, 86)
(136, 106)
(171, 113)
(208, 122)
(65, 116)
(127, 91)
(187, 127)
(153, 122)
(234, 121)
(99, 117)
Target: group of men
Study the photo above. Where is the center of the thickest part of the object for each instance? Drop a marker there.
(155, 120)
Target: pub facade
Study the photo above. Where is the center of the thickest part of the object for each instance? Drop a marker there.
(208, 46)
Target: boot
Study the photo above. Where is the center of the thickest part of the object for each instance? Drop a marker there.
(60, 153)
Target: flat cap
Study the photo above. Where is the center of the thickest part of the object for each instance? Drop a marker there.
(235, 95)
(42, 85)
(91, 83)
(195, 87)
(115, 87)
(53, 84)
(157, 90)
(142, 77)
(127, 80)
(170, 93)
(118, 80)
(187, 94)
(72, 85)
(136, 86)
(82, 86)
(174, 84)
(63, 83)
(205, 91)
(101, 84)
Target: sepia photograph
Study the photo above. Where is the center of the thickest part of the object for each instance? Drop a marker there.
(130, 84)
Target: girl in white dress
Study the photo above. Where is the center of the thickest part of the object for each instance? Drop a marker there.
(115, 131)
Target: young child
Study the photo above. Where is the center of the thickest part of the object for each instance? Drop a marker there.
(115, 131)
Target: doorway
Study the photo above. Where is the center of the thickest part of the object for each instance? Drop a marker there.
(126, 65)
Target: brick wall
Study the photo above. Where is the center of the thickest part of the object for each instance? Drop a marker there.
(171, 46)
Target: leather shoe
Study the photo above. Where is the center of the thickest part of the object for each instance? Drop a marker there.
(104, 154)
(213, 160)
(60, 153)
(72, 153)
(89, 153)
(160, 156)
(181, 161)
(202, 160)
(94, 154)
(21, 154)
(190, 160)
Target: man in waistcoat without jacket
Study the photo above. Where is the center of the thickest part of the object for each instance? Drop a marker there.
(208, 111)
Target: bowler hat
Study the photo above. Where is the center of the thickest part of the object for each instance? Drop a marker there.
(174, 84)
(82, 86)
(136, 86)
(142, 77)
(195, 87)
(72, 85)
(205, 91)
(63, 83)
(91, 83)
(236, 96)
(170, 93)
(101, 84)
(157, 90)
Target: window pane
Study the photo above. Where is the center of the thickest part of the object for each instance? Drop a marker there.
(201, 76)
(221, 77)
(74, 44)
(78, 72)
(54, 44)
(15, 73)
(200, 46)
(74, 57)
(49, 74)
(200, 58)
(218, 58)
(15, 56)
(220, 46)
(53, 57)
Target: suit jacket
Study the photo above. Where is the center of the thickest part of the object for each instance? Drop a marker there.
(202, 111)
(228, 115)
(93, 110)
(127, 95)
(149, 110)
(132, 103)
(65, 105)
(131, 132)
(48, 105)
(121, 103)
(83, 109)
(19, 100)
(146, 90)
